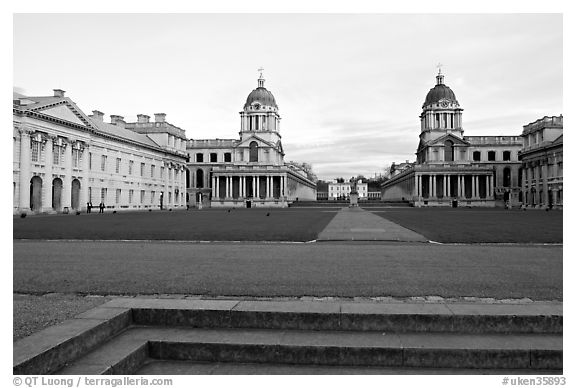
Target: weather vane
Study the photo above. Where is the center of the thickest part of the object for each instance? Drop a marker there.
(439, 66)
(261, 69)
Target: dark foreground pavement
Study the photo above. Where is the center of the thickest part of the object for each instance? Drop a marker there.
(320, 269)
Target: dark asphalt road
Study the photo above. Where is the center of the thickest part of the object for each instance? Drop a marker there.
(251, 269)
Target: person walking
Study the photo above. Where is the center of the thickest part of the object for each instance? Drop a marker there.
(101, 207)
(89, 207)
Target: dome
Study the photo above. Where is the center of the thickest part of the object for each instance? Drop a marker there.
(263, 96)
(439, 92)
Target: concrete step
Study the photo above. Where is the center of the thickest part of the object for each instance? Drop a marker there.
(387, 317)
(170, 367)
(127, 352)
(121, 335)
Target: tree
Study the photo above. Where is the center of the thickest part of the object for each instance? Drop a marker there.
(307, 168)
(339, 180)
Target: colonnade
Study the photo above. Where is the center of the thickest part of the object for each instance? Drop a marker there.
(427, 186)
(248, 186)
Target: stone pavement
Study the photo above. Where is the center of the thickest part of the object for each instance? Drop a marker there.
(356, 224)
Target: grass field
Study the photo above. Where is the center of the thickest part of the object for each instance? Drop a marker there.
(479, 225)
(193, 225)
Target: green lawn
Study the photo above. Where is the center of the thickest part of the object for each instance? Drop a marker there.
(479, 225)
(193, 225)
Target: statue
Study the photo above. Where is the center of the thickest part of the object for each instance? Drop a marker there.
(353, 192)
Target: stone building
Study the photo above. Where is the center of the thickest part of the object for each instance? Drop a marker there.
(452, 169)
(63, 159)
(250, 171)
(341, 190)
(542, 163)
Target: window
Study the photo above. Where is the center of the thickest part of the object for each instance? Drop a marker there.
(142, 194)
(162, 172)
(130, 196)
(130, 167)
(90, 160)
(506, 155)
(57, 155)
(103, 163)
(476, 156)
(253, 152)
(449, 151)
(213, 157)
(118, 161)
(152, 168)
(227, 157)
(152, 196)
(118, 195)
(142, 167)
(76, 158)
(199, 158)
(199, 178)
(36, 147)
(491, 156)
(103, 193)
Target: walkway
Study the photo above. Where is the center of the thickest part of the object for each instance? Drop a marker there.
(356, 224)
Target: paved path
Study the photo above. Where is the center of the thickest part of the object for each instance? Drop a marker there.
(356, 224)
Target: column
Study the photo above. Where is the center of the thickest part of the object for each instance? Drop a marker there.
(444, 186)
(418, 186)
(241, 188)
(434, 190)
(282, 186)
(492, 186)
(165, 196)
(430, 186)
(85, 177)
(269, 186)
(545, 182)
(213, 186)
(461, 186)
(449, 191)
(474, 187)
(47, 181)
(67, 181)
(227, 187)
(487, 187)
(24, 200)
(257, 186)
(217, 187)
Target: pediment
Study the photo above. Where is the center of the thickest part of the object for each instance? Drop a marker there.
(65, 110)
(261, 142)
(442, 139)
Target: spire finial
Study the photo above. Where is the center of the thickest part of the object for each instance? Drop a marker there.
(440, 76)
(261, 79)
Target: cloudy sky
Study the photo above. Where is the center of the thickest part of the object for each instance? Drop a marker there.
(349, 86)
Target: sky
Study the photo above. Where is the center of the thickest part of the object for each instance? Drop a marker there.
(349, 87)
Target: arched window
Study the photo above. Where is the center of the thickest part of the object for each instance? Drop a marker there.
(506, 177)
(199, 179)
(448, 151)
(253, 151)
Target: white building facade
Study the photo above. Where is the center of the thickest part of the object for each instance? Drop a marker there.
(249, 172)
(542, 160)
(64, 159)
(341, 190)
(452, 169)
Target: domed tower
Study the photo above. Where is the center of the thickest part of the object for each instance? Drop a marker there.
(260, 115)
(441, 113)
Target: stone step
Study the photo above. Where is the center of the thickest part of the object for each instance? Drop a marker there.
(121, 334)
(127, 352)
(388, 317)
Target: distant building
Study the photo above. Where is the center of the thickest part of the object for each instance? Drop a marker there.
(250, 171)
(341, 191)
(63, 159)
(542, 163)
(452, 169)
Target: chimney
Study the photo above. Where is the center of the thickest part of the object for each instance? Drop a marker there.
(160, 117)
(117, 120)
(96, 114)
(59, 92)
(143, 118)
